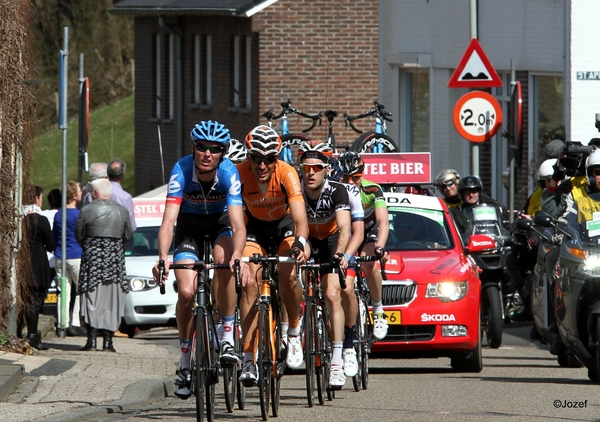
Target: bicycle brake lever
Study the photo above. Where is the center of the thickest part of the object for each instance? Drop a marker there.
(161, 273)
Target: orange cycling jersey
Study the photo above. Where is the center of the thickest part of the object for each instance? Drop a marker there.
(270, 202)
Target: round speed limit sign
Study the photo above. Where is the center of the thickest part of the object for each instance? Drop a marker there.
(477, 116)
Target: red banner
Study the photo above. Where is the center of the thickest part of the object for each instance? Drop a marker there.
(148, 207)
(398, 167)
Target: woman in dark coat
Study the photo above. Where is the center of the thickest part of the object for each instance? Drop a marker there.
(39, 235)
(102, 229)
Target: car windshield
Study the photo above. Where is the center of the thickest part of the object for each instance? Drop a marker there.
(417, 229)
(144, 242)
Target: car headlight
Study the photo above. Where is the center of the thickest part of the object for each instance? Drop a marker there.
(447, 291)
(139, 284)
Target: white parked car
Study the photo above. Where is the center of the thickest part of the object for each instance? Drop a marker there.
(145, 307)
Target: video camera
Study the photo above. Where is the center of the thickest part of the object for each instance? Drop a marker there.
(571, 156)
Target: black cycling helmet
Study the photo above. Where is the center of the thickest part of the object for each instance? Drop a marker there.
(469, 182)
(337, 172)
(351, 163)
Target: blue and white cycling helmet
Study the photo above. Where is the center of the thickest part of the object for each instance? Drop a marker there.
(212, 132)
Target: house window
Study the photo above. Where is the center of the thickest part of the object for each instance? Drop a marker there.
(241, 83)
(201, 70)
(547, 114)
(414, 109)
(170, 66)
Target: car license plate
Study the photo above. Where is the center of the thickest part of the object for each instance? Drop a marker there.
(393, 317)
(51, 298)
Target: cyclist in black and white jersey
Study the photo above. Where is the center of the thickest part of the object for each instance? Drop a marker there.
(328, 212)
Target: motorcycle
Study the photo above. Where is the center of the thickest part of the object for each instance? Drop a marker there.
(577, 291)
(485, 219)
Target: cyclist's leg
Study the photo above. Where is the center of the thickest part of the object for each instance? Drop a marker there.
(249, 316)
(222, 251)
(375, 281)
(350, 307)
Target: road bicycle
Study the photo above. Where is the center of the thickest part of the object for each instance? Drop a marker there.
(363, 337)
(270, 350)
(316, 330)
(376, 141)
(289, 140)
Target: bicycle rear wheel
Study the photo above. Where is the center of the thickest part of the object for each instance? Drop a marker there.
(199, 364)
(230, 374)
(290, 143)
(309, 351)
(358, 343)
(264, 360)
(374, 142)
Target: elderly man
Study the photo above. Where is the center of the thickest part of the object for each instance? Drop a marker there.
(97, 171)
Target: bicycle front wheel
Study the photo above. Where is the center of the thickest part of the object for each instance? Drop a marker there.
(200, 365)
(374, 142)
(230, 374)
(264, 360)
(309, 352)
(212, 376)
(278, 370)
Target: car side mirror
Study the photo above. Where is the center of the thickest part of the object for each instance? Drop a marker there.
(480, 243)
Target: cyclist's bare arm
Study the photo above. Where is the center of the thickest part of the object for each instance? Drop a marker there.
(381, 217)
(236, 220)
(343, 221)
(298, 212)
(165, 237)
(357, 237)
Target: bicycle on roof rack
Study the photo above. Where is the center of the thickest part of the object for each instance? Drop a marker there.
(290, 139)
(376, 141)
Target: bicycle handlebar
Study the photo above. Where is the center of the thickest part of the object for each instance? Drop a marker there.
(287, 110)
(161, 273)
(373, 258)
(378, 111)
(261, 259)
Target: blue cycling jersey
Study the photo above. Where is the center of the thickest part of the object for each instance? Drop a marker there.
(195, 197)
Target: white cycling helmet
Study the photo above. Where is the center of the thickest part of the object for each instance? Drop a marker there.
(236, 152)
(546, 169)
(263, 140)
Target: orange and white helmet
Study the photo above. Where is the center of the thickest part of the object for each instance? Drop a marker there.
(263, 140)
(315, 148)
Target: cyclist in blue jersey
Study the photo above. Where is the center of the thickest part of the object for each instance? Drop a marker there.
(204, 198)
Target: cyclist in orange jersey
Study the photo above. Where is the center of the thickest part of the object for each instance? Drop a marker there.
(329, 219)
(275, 212)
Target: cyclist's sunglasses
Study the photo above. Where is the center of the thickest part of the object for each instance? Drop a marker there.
(267, 159)
(315, 167)
(355, 177)
(214, 149)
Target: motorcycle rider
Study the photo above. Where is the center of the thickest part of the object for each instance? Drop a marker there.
(470, 190)
(523, 256)
(447, 183)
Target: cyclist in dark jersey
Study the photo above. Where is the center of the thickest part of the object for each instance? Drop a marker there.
(276, 216)
(203, 198)
(376, 233)
(328, 212)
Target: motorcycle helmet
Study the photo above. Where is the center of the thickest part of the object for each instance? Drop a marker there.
(546, 169)
(469, 182)
(446, 175)
(592, 162)
(315, 148)
(595, 141)
(212, 132)
(263, 140)
(352, 163)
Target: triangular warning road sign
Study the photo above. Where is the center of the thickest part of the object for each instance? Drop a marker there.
(474, 70)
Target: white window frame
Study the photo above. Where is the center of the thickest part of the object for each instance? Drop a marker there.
(248, 72)
(236, 71)
(200, 66)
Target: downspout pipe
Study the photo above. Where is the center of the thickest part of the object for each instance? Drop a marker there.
(179, 102)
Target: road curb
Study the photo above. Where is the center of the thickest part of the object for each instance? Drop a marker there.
(11, 376)
(135, 395)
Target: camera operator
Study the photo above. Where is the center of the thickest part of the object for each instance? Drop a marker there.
(559, 198)
(523, 254)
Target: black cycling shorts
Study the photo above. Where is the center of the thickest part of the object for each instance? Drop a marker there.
(191, 231)
(371, 236)
(323, 251)
(269, 234)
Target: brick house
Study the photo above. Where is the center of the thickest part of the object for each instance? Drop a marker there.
(231, 60)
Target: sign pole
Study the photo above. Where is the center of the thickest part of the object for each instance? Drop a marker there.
(512, 151)
(474, 146)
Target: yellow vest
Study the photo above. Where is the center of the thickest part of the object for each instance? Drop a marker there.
(578, 186)
(535, 202)
(586, 207)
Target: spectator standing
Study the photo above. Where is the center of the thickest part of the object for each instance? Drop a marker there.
(116, 172)
(73, 257)
(97, 171)
(54, 201)
(38, 233)
(102, 229)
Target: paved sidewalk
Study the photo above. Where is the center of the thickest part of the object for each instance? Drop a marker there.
(65, 384)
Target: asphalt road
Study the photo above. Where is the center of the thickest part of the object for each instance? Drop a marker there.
(520, 381)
